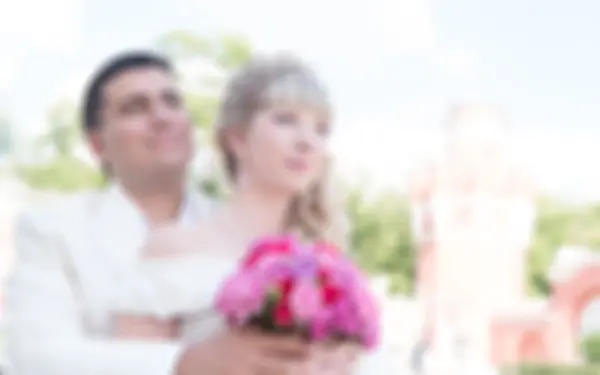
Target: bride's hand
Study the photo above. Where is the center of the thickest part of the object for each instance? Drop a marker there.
(246, 352)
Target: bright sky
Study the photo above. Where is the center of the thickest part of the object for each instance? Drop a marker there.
(394, 67)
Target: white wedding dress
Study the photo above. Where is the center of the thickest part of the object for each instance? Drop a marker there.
(185, 287)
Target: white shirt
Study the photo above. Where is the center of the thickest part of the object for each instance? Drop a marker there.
(69, 256)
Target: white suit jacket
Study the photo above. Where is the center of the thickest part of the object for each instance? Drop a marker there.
(69, 258)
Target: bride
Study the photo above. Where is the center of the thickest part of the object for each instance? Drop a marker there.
(272, 129)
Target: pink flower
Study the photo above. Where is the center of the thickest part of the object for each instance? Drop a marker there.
(370, 338)
(285, 283)
(242, 296)
(274, 268)
(367, 303)
(320, 326)
(305, 300)
(346, 320)
(268, 246)
(368, 315)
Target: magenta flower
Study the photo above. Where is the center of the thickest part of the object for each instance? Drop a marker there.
(320, 327)
(267, 246)
(346, 320)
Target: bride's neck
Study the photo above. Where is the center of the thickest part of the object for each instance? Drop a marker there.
(257, 213)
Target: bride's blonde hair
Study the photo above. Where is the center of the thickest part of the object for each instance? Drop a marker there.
(270, 81)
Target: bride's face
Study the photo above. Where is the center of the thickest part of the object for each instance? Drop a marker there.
(284, 148)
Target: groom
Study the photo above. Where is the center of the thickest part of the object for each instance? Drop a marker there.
(70, 255)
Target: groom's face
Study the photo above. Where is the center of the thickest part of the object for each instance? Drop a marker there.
(145, 128)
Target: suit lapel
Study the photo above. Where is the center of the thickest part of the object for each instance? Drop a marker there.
(103, 246)
(119, 228)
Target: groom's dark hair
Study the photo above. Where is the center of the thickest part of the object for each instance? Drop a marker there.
(93, 97)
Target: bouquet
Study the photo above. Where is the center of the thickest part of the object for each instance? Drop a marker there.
(285, 286)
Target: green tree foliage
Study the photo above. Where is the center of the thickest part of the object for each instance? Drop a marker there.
(62, 173)
(224, 53)
(551, 231)
(590, 348)
(381, 238)
(550, 369)
(382, 241)
(64, 132)
(559, 224)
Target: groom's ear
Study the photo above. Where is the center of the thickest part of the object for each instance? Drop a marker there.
(96, 143)
(235, 139)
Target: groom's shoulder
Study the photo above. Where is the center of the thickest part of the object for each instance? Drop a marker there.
(60, 210)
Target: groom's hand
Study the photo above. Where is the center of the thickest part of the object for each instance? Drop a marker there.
(246, 352)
